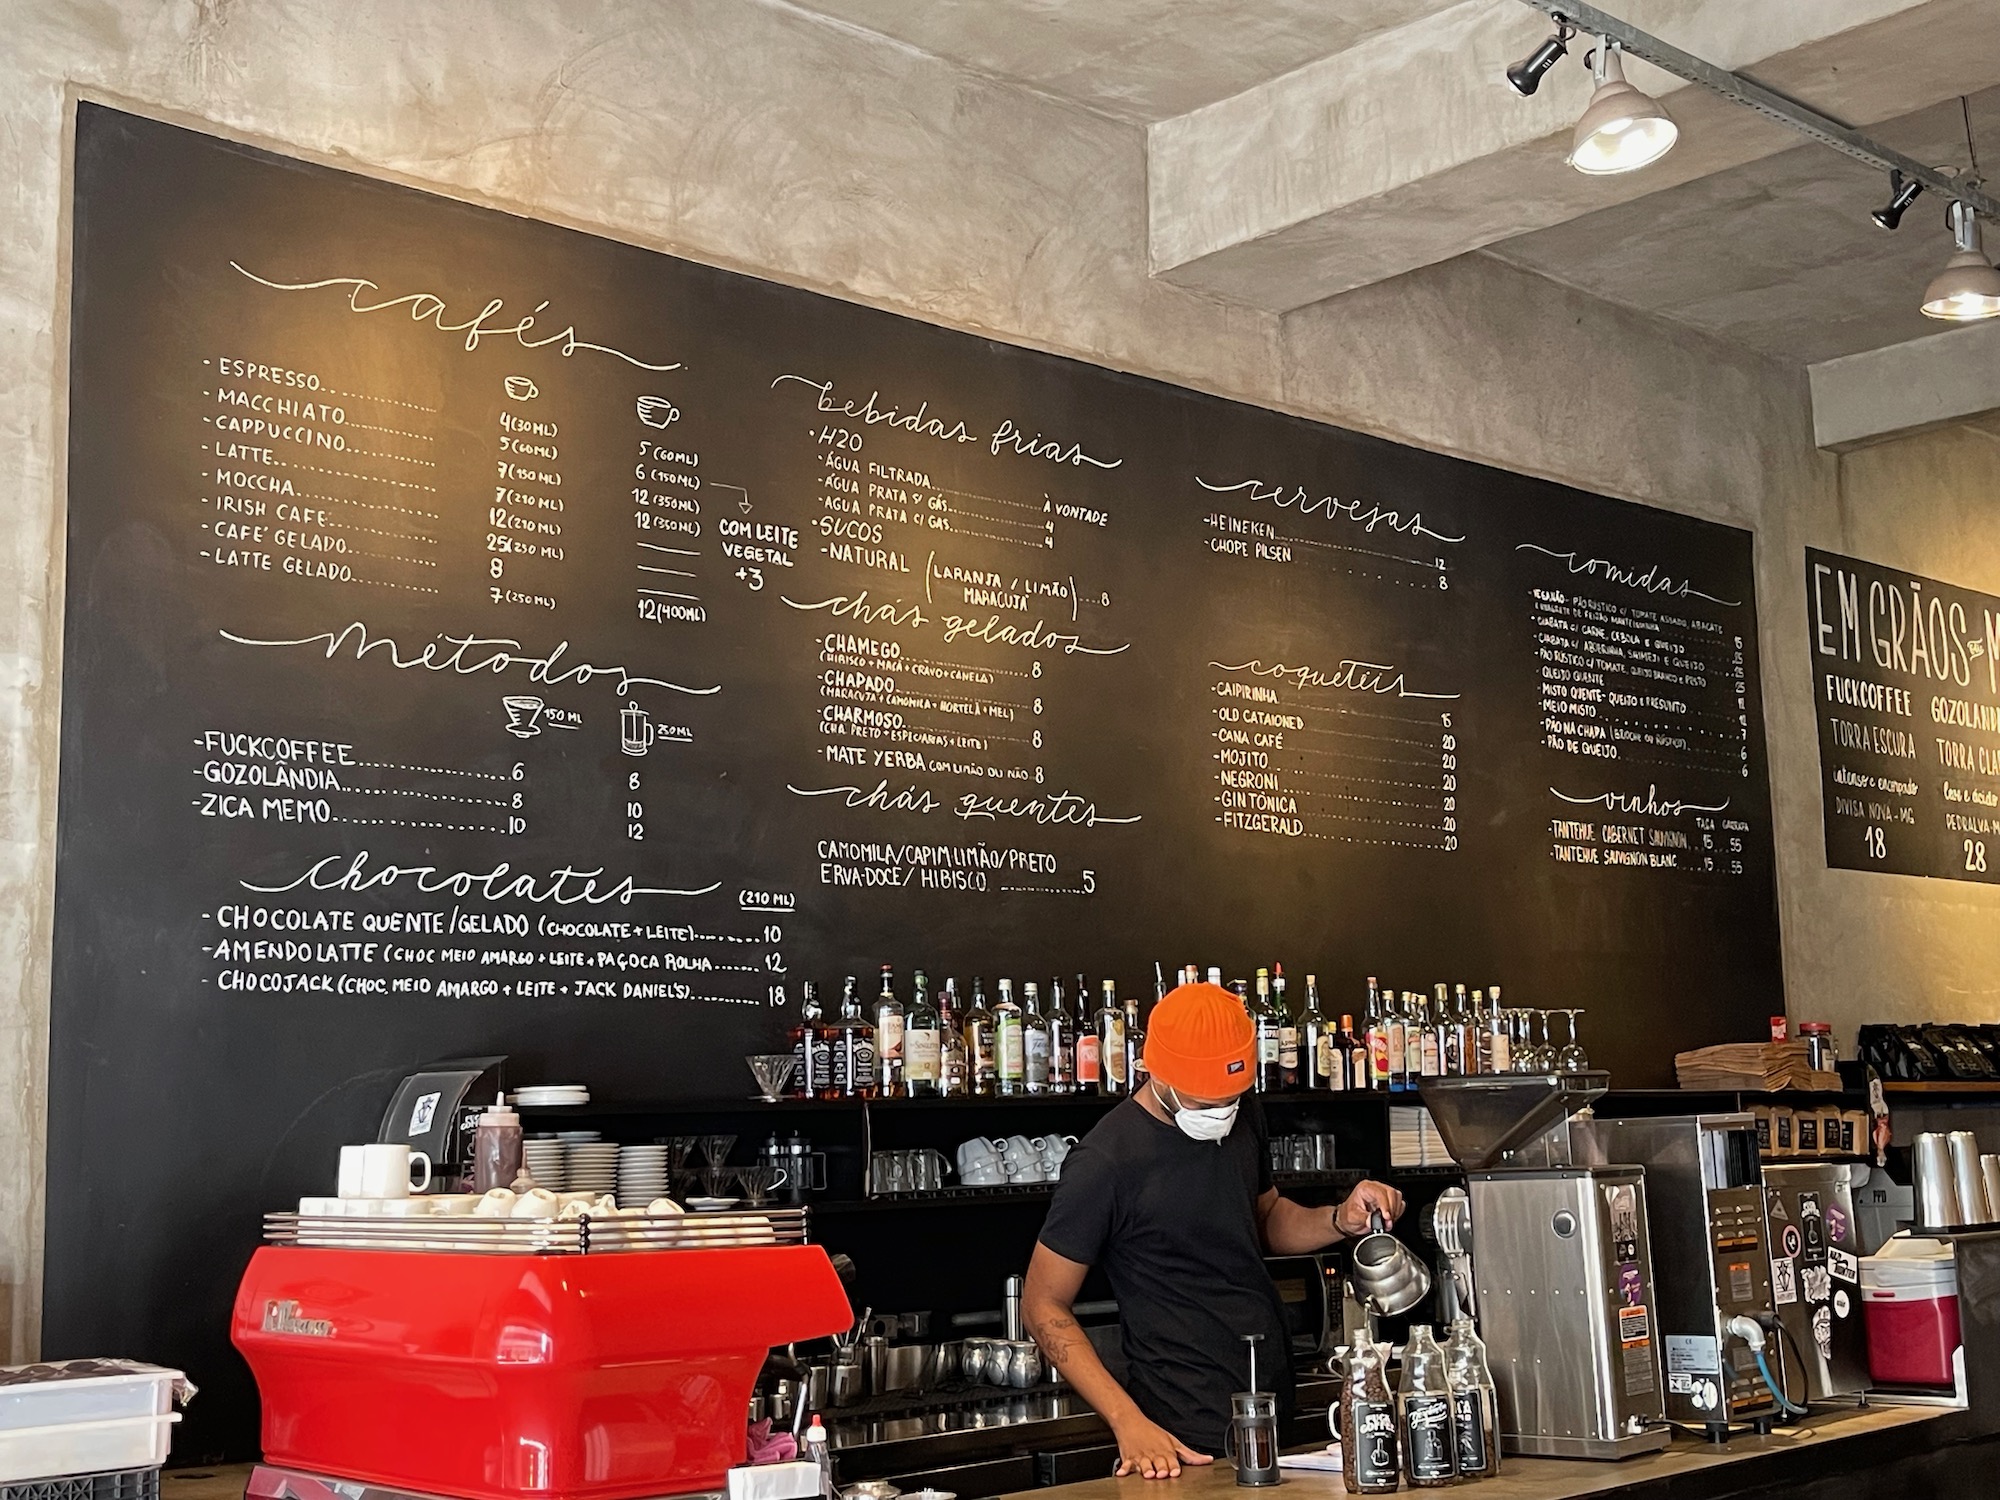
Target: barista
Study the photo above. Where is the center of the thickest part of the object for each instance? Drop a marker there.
(1171, 1194)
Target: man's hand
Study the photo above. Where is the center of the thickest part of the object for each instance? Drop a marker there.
(1145, 1447)
(1351, 1218)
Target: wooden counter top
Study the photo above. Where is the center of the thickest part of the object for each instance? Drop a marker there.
(1813, 1446)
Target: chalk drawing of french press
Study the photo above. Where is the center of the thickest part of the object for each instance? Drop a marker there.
(635, 730)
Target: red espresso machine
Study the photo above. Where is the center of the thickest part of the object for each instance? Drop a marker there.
(508, 1359)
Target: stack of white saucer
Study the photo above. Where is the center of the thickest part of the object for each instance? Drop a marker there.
(546, 1161)
(551, 1095)
(642, 1175)
(593, 1166)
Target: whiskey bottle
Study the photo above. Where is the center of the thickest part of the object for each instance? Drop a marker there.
(889, 1037)
(981, 1045)
(923, 1052)
(1265, 1016)
(854, 1047)
(1009, 1043)
(1288, 1031)
(1317, 1055)
(809, 1068)
(954, 1071)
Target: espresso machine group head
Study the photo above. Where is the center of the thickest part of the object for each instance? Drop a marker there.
(1562, 1267)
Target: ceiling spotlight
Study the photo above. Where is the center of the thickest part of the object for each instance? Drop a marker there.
(1622, 129)
(1968, 288)
(1902, 193)
(1526, 75)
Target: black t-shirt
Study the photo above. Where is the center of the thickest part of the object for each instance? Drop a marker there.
(1173, 1222)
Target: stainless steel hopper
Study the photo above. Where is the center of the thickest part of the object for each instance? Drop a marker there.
(1487, 1118)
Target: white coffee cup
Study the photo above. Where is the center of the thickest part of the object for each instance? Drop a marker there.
(1022, 1162)
(987, 1174)
(386, 1168)
(979, 1154)
(349, 1183)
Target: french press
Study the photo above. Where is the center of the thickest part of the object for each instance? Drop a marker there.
(1253, 1428)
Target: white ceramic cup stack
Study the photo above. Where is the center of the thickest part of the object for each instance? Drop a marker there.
(546, 1162)
(979, 1163)
(592, 1166)
(642, 1175)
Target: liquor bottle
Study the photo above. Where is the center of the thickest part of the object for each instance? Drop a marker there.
(1430, 1448)
(809, 1069)
(1499, 1042)
(1397, 1035)
(1111, 1043)
(1368, 1422)
(981, 1045)
(1473, 1407)
(954, 1071)
(1316, 1050)
(1009, 1045)
(1433, 1038)
(1135, 1034)
(854, 1047)
(1416, 1026)
(1288, 1031)
(1350, 1058)
(1089, 1045)
(1265, 1015)
(1466, 1048)
(1376, 1038)
(923, 1041)
(1062, 1042)
(1214, 975)
(1034, 1040)
(889, 1037)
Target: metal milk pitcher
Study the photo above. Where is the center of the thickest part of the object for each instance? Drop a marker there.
(1386, 1273)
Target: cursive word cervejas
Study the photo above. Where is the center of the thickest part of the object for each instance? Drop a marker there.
(560, 887)
(427, 307)
(1351, 675)
(871, 413)
(1365, 514)
(1651, 581)
(470, 654)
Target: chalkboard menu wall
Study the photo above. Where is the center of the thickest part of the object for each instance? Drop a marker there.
(485, 637)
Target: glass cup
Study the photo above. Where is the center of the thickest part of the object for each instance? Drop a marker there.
(1572, 1058)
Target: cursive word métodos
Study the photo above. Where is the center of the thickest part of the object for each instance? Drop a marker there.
(871, 413)
(1649, 581)
(1650, 805)
(1365, 514)
(560, 887)
(427, 307)
(1351, 675)
(467, 655)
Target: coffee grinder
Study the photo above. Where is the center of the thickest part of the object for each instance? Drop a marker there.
(1562, 1267)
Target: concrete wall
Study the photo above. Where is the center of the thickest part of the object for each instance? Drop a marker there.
(752, 136)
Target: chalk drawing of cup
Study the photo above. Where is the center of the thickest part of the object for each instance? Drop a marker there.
(521, 388)
(658, 411)
(524, 716)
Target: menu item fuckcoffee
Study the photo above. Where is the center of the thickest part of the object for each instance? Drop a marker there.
(1368, 1424)
(1430, 1447)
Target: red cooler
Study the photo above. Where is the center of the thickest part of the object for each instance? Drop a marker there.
(1909, 1297)
(598, 1376)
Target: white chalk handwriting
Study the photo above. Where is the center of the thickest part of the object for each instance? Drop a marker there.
(1365, 514)
(1652, 580)
(1352, 675)
(1649, 805)
(560, 887)
(870, 412)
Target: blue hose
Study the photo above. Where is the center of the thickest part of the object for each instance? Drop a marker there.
(1784, 1402)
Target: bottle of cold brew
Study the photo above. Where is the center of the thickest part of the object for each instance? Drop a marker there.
(1430, 1448)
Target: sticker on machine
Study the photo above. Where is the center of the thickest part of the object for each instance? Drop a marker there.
(1635, 1328)
(1843, 1266)
(1690, 1353)
(1784, 1280)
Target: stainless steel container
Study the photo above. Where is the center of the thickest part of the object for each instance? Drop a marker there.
(1965, 1179)
(1816, 1263)
(1937, 1196)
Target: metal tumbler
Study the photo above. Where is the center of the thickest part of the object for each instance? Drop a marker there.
(1965, 1179)
(1937, 1197)
(1989, 1173)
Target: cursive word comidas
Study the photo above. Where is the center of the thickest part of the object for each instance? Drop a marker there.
(1351, 676)
(427, 307)
(1368, 516)
(871, 413)
(467, 655)
(1650, 805)
(1648, 581)
(560, 887)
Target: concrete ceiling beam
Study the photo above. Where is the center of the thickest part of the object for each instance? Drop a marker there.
(1410, 148)
(1950, 377)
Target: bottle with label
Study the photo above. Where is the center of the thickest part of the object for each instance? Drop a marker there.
(1430, 1447)
(1111, 1042)
(853, 1046)
(1376, 1038)
(1368, 1423)
(1476, 1018)
(981, 1045)
(1089, 1054)
(1265, 1017)
(1474, 1410)
(923, 1042)
(1465, 1043)
(954, 1072)
(1135, 1034)
(810, 1074)
(1288, 1030)
(1499, 1040)
(1034, 1040)
(1350, 1059)
(1316, 1050)
(1009, 1045)
(818, 1451)
(1437, 1026)
(1062, 1041)
(496, 1149)
(1416, 1030)
(888, 1037)
(1396, 1038)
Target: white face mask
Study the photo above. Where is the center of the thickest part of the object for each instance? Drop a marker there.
(1211, 1124)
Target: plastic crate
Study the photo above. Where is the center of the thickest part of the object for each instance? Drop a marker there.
(118, 1484)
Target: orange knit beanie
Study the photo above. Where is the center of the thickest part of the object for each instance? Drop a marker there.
(1200, 1042)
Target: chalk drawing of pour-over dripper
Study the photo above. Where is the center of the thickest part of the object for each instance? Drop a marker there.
(635, 730)
(524, 716)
